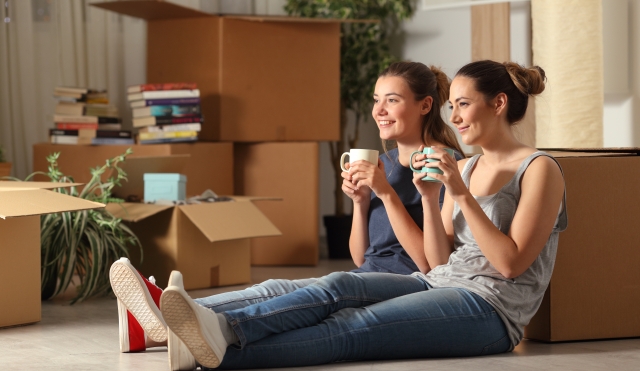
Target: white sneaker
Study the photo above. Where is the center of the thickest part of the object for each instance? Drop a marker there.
(180, 358)
(140, 297)
(194, 324)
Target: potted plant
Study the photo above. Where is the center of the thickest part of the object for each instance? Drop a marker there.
(5, 167)
(364, 53)
(87, 242)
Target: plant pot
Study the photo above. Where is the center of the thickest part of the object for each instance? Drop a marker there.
(5, 169)
(49, 287)
(338, 231)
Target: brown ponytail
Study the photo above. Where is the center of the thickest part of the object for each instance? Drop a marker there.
(428, 82)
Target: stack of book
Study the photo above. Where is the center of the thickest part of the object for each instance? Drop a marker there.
(84, 116)
(166, 113)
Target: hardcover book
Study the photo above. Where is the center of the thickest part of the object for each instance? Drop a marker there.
(165, 120)
(174, 127)
(164, 102)
(172, 110)
(162, 86)
(164, 94)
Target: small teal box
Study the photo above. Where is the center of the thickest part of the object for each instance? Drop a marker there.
(165, 186)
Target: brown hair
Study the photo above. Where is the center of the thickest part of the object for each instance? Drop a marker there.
(428, 82)
(516, 81)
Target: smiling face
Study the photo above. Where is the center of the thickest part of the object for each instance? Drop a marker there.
(398, 115)
(471, 114)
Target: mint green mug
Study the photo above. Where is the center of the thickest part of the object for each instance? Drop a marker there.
(428, 151)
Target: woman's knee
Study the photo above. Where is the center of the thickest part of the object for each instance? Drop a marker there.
(337, 282)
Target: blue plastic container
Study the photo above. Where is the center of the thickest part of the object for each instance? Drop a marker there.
(165, 186)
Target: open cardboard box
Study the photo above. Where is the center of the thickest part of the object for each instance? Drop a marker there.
(21, 204)
(256, 75)
(595, 287)
(208, 242)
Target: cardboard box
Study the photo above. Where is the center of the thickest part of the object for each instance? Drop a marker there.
(209, 242)
(210, 165)
(595, 287)
(21, 204)
(260, 78)
(288, 171)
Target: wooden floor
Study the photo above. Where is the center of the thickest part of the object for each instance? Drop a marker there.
(85, 337)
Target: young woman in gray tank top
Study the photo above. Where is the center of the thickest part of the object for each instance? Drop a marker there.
(489, 254)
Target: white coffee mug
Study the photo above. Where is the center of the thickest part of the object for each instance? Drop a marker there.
(354, 154)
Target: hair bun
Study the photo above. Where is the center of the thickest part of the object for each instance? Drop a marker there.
(529, 81)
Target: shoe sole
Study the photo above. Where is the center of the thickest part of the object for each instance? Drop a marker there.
(182, 321)
(133, 294)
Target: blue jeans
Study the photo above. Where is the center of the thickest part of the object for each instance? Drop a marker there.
(365, 316)
(252, 295)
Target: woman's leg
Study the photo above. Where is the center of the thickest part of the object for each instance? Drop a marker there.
(443, 322)
(255, 294)
(314, 303)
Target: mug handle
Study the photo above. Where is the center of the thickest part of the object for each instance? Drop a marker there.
(411, 162)
(342, 161)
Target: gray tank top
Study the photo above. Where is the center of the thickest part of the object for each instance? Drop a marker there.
(515, 300)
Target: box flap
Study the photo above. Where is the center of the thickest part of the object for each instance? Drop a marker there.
(134, 212)
(21, 186)
(255, 198)
(151, 10)
(276, 18)
(40, 201)
(222, 221)
(137, 166)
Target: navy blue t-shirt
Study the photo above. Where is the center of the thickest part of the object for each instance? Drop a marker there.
(385, 254)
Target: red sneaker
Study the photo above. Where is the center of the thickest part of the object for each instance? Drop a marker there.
(138, 300)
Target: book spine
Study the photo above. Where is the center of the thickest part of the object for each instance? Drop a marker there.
(170, 120)
(174, 127)
(107, 120)
(75, 126)
(169, 140)
(170, 102)
(195, 93)
(168, 134)
(173, 110)
(113, 141)
(63, 139)
(76, 119)
(163, 86)
(62, 132)
(113, 134)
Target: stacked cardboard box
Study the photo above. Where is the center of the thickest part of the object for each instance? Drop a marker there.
(271, 86)
(594, 291)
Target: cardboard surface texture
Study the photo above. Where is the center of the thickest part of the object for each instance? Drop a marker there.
(21, 203)
(209, 242)
(267, 169)
(247, 68)
(594, 291)
(206, 165)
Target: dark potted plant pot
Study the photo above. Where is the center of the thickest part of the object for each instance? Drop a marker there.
(338, 231)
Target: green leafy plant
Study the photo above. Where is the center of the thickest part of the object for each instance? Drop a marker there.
(83, 242)
(364, 53)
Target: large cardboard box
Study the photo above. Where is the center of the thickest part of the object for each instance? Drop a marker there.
(21, 204)
(595, 287)
(208, 242)
(288, 171)
(210, 165)
(260, 78)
